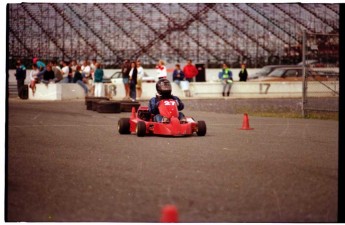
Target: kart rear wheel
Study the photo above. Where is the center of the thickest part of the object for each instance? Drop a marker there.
(201, 128)
(141, 129)
(123, 126)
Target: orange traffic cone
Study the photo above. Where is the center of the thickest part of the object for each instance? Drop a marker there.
(169, 214)
(245, 124)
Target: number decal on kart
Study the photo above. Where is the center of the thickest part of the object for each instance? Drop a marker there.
(169, 102)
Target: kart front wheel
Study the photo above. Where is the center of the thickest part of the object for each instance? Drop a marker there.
(201, 128)
(141, 129)
(124, 126)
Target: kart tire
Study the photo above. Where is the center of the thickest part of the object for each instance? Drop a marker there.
(126, 106)
(201, 128)
(141, 129)
(108, 107)
(87, 98)
(94, 105)
(123, 126)
(89, 105)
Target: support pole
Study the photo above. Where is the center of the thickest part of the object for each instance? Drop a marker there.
(304, 91)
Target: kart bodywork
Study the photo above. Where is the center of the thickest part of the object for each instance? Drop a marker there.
(142, 123)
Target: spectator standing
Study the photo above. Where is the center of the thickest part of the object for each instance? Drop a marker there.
(178, 74)
(64, 72)
(226, 80)
(98, 80)
(190, 71)
(70, 73)
(243, 73)
(126, 68)
(86, 73)
(92, 73)
(133, 81)
(20, 76)
(48, 75)
(161, 70)
(85, 69)
(78, 78)
(140, 76)
(93, 66)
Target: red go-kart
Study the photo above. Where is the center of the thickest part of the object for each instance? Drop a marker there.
(141, 122)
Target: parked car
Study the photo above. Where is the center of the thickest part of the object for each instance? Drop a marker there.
(295, 73)
(117, 78)
(264, 71)
(284, 74)
(116, 75)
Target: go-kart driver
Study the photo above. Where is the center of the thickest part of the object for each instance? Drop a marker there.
(163, 88)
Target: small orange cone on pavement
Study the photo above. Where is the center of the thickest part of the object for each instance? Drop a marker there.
(245, 124)
(169, 214)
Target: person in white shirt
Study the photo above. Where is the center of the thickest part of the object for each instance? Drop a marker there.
(140, 76)
(64, 72)
(86, 74)
(161, 70)
(85, 69)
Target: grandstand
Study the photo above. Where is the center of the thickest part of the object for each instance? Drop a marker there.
(254, 33)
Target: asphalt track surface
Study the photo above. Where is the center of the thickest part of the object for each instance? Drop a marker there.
(69, 164)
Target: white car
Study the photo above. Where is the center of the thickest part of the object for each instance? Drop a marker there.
(116, 78)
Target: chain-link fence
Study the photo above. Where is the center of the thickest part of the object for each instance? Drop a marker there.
(321, 73)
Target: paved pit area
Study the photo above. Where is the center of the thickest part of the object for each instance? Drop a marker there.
(69, 164)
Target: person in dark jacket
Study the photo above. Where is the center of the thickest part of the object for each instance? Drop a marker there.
(48, 75)
(133, 74)
(243, 73)
(78, 78)
(20, 76)
(126, 68)
(178, 74)
(163, 88)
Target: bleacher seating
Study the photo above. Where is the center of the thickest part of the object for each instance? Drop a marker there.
(211, 33)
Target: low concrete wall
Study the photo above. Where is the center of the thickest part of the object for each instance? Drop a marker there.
(56, 92)
(198, 90)
(241, 90)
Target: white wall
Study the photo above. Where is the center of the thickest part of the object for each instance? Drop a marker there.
(211, 74)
